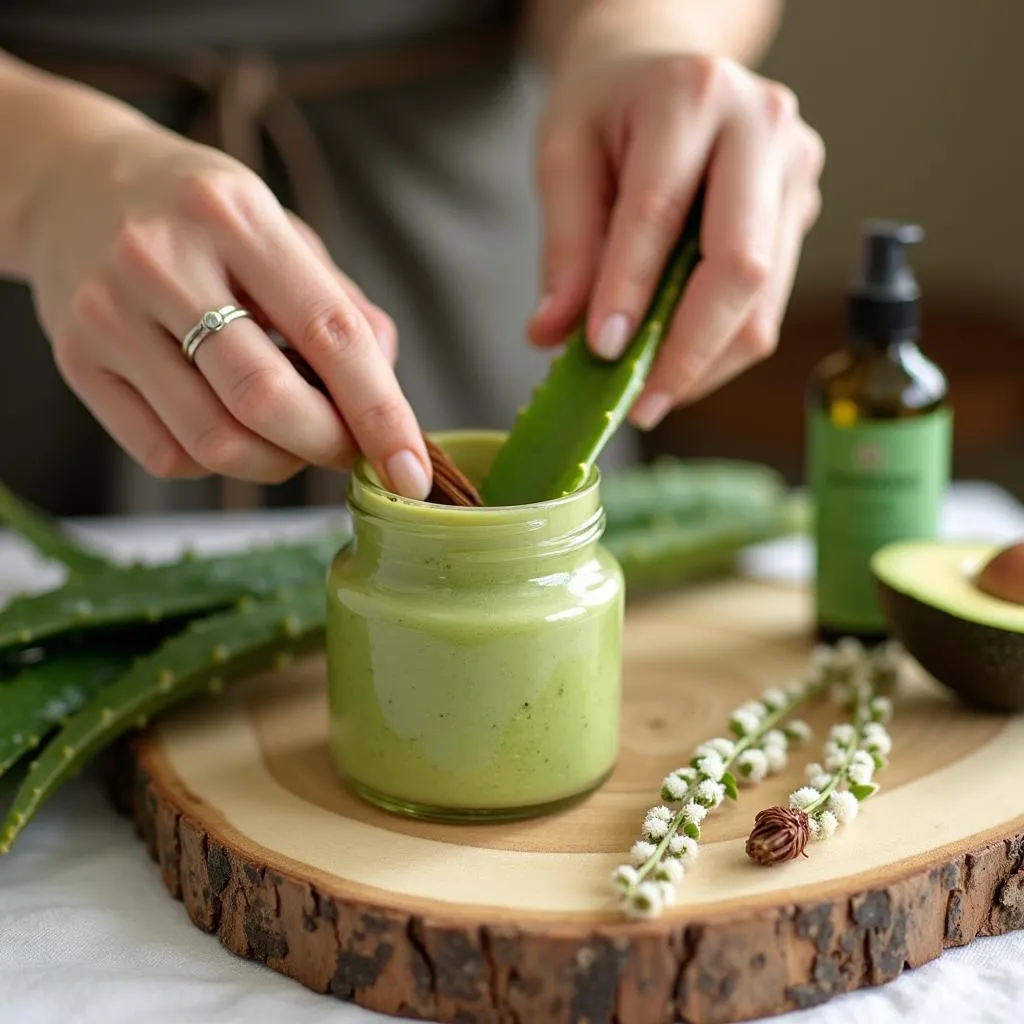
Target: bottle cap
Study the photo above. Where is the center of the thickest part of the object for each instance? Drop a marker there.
(885, 296)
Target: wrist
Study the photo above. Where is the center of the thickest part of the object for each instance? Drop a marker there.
(740, 30)
(51, 123)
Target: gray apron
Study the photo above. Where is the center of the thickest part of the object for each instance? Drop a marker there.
(403, 130)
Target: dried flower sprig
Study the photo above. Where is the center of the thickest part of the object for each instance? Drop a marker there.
(853, 752)
(762, 732)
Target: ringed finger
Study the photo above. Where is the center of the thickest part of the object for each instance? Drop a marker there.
(260, 387)
(183, 400)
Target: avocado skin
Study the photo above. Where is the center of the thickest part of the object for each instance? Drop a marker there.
(982, 665)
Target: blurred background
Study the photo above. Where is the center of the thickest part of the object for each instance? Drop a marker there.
(918, 104)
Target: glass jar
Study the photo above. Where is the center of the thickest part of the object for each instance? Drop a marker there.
(474, 654)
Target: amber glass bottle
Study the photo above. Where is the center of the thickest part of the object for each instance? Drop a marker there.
(878, 438)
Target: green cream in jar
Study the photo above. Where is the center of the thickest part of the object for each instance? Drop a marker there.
(474, 654)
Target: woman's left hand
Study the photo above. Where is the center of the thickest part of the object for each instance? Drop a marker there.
(631, 129)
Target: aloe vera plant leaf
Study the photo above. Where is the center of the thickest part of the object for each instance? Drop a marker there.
(668, 556)
(35, 702)
(151, 593)
(584, 399)
(48, 536)
(673, 489)
(209, 653)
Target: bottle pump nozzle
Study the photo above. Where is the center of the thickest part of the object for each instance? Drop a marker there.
(884, 299)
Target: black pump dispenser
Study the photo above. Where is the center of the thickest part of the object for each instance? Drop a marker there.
(883, 301)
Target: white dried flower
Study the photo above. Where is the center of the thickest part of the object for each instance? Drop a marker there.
(674, 788)
(625, 876)
(803, 797)
(744, 722)
(815, 828)
(812, 770)
(774, 699)
(755, 707)
(827, 825)
(645, 900)
(775, 738)
(860, 774)
(796, 691)
(821, 781)
(844, 806)
(640, 852)
(849, 650)
(669, 871)
(862, 757)
(719, 746)
(655, 826)
(822, 656)
(709, 793)
(889, 656)
(776, 756)
(877, 739)
(834, 761)
(712, 766)
(881, 709)
(879, 744)
(752, 765)
(843, 733)
(694, 813)
(798, 730)
(685, 848)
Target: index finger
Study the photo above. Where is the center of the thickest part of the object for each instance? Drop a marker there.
(311, 310)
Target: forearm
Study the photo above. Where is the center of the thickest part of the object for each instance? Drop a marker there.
(42, 117)
(738, 29)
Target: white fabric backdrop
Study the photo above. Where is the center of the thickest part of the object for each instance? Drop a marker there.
(88, 934)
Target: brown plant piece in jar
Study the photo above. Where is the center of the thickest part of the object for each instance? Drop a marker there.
(451, 486)
(779, 834)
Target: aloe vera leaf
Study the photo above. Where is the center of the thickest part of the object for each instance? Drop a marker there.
(151, 593)
(34, 703)
(209, 653)
(672, 489)
(51, 539)
(668, 556)
(584, 399)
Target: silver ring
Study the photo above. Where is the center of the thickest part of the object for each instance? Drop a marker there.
(212, 321)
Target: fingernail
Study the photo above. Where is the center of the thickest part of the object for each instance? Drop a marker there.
(651, 409)
(544, 306)
(407, 475)
(613, 336)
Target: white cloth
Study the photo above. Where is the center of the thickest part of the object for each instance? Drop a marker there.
(88, 934)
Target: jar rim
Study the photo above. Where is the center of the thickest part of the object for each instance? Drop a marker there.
(368, 493)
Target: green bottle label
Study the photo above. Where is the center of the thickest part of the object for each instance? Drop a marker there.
(873, 482)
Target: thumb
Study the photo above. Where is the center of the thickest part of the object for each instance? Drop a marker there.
(573, 184)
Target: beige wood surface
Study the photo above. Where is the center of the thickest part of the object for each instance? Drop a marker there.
(514, 922)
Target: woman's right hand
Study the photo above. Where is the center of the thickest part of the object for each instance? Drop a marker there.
(131, 239)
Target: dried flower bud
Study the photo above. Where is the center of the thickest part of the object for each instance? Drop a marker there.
(779, 834)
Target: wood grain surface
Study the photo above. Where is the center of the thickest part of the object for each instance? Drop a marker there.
(513, 923)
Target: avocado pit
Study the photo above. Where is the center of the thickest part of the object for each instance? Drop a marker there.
(1002, 576)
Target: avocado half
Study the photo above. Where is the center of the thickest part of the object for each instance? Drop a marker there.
(967, 640)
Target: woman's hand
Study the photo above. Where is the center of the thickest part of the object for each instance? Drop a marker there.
(131, 239)
(634, 123)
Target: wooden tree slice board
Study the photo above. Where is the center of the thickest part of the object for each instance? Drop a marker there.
(238, 802)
